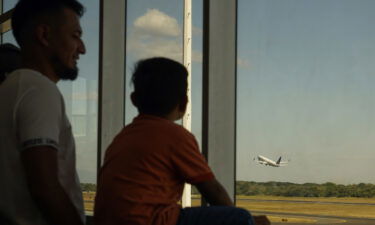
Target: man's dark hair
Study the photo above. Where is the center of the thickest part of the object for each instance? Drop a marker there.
(28, 13)
(160, 84)
(10, 59)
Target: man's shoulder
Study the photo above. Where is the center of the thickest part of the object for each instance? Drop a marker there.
(28, 76)
(31, 80)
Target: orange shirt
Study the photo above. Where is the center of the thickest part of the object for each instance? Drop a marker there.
(144, 172)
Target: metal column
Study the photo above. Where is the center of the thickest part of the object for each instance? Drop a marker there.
(219, 87)
(112, 73)
(186, 121)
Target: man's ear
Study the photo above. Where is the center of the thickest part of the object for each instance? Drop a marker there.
(43, 34)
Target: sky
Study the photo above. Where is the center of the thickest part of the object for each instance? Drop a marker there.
(305, 77)
(307, 91)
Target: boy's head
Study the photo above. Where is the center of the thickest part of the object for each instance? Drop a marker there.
(160, 86)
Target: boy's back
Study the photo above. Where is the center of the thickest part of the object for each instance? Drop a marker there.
(144, 172)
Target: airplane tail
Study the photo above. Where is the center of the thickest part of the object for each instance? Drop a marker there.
(278, 161)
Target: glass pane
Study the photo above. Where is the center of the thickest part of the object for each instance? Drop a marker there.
(305, 94)
(148, 37)
(8, 4)
(8, 36)
(196, 81)
(81, 100)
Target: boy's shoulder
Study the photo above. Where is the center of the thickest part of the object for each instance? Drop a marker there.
(163, 126)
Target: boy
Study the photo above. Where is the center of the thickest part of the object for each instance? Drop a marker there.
(149, 161)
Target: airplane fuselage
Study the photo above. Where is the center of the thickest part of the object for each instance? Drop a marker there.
(268, 162)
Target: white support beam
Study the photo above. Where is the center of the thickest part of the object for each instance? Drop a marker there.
(219, 88)
(186, 121)
(112, 72)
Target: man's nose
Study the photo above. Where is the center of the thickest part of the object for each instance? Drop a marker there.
(82, 48)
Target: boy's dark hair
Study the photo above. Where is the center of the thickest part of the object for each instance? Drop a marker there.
(28, 13)
(160, 84)
(10, 59)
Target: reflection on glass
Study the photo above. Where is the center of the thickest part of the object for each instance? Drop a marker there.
(305, 93)
(81, 103)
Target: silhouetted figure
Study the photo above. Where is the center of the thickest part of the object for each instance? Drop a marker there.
(39, 181)
(10, 60)
(147, 164)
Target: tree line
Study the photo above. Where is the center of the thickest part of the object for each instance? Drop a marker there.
(287, 189)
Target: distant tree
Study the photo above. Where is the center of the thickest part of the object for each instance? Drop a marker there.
(88, 187)
(288, 189)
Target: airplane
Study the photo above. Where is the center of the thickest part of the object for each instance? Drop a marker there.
(268, 162)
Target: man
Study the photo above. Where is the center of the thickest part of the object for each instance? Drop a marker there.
(10, 60)
(39, 182)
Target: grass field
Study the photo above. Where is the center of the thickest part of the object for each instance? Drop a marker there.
(343, 200)
(339, 210)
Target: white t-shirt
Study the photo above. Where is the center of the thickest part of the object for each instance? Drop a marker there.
(32, 113)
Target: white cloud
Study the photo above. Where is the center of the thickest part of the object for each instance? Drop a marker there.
(157, 23)
(170, 48)
(158, 34)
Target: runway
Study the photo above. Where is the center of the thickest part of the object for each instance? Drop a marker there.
(310, 202)
(278, 218)
(290, 218)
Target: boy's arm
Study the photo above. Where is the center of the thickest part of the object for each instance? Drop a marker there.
(214, 193)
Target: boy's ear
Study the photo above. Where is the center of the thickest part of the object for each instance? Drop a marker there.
(133, 98)
(183, 104)
(43, 34)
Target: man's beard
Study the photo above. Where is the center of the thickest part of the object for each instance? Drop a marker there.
(64, 72)
(68, 73)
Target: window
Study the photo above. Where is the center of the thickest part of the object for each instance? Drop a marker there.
(8, 36)
(81, 100)
(305, 93)
(147, 37)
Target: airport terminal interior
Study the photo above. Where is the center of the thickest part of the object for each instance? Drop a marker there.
(281, 97)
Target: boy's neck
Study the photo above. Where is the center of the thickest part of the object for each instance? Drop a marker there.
(174, 115)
